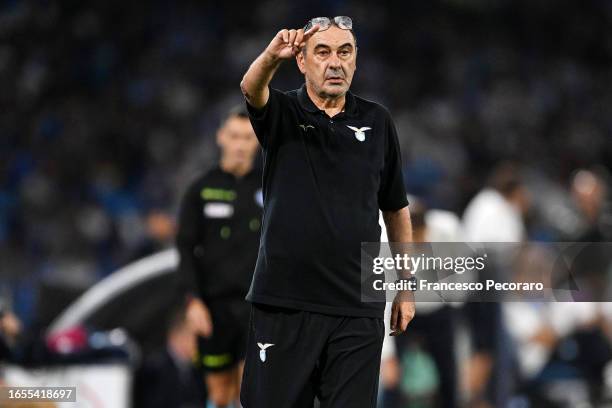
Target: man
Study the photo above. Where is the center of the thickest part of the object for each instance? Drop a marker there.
(331, 162)
(432, 331)
(589, 192)
(218, 239)
(495, 214)
(10, 329)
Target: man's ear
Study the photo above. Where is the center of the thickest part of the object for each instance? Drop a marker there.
(299, 59)
(219, 136)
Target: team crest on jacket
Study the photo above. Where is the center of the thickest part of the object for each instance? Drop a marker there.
(359, 132)
(262, 350)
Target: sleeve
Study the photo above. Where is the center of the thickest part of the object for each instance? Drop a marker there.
(392, 194)
(187, 239)
(266, 121)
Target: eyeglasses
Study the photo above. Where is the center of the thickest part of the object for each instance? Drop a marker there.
(324, 23)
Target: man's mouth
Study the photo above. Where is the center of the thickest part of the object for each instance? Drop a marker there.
(334, 79)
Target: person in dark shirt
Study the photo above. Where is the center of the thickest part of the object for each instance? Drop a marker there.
(331, 161)
(218, 238)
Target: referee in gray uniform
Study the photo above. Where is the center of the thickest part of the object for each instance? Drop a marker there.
(331, 161)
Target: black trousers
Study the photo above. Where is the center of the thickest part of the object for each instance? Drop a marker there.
(294, 356)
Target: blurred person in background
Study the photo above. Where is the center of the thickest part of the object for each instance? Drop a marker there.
(431, 341)
(589, 268)
(590, 193)
(10, 329)
(169, 378)
(495, 214)
(218, 238)
(562, 347)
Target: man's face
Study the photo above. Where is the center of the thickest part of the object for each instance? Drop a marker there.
(237, 140)
(329, 61)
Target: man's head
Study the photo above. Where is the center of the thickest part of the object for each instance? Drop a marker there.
(328, 60)
(236, 139)
(588, 189)
(507, 179)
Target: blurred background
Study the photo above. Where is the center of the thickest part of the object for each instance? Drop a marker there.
(109, 109)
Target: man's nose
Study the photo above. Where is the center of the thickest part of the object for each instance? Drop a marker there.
(334, 61)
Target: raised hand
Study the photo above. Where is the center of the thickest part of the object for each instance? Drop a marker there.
(287, 43)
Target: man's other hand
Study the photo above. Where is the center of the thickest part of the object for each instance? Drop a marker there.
(402, 312)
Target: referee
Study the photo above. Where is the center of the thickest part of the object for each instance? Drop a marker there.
(331, 161)
(218, 237)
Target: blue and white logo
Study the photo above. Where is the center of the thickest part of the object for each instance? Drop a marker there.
(262, 350)
(359, 132)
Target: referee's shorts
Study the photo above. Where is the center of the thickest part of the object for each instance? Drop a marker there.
(293, 356)
(226, 347)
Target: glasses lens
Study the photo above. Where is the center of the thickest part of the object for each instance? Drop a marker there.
(344, 22)
(322, 22)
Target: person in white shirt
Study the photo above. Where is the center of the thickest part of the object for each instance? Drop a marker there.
(429, 225)
(495, 214)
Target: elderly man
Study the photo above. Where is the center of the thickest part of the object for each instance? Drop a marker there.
(331, 162)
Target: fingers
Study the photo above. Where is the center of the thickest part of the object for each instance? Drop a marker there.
(401, 315)
(207, 325)
(298, 43)
(291, 40)
(296, 39)
(203, 326)
(207, 328)
(406, 317)
(304, 36)
(310, 32)
(199, 318)
(299, 37)
(394, 316)
(284, 35)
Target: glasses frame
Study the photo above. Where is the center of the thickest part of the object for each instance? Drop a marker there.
(342, 22)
